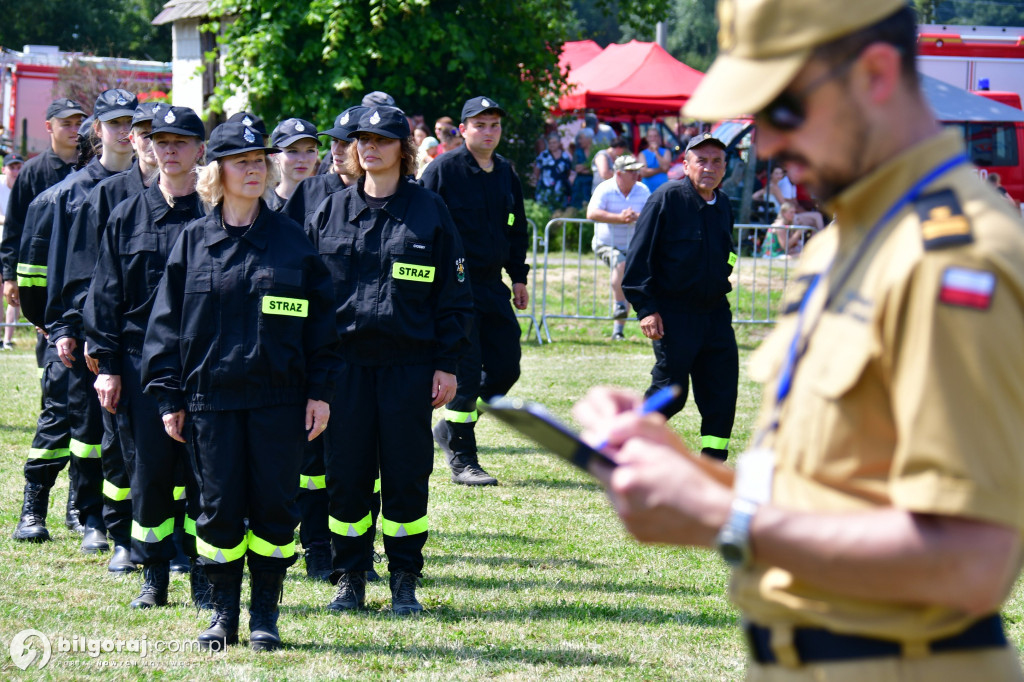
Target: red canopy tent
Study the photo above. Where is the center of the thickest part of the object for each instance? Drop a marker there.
(632, 78)
(576, 53)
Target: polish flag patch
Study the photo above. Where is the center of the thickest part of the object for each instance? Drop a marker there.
(967, 288)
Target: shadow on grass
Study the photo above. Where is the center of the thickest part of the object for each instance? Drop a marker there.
(567, 586)
(477, 536)
(511, 561)
(559, 484)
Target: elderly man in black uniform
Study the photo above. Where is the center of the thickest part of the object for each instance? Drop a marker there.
(677, 278)
(484, 196)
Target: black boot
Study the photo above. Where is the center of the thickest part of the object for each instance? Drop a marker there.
(458, 443)
(202, 590)
(121, 560)
(180, 563)
(32, 524)
(227, 596)
(351, 594)
(318, 560)
(154, 587)
(403, 593)
(72, 520)
(95, 537)
(267, 591)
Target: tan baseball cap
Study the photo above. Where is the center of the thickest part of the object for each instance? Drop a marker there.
(763, 44)
(627, 162)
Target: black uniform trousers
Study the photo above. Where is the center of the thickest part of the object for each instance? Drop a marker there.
(490, 365)
(312, 499)
(247, 465)
(154, 462)
(85, 423)
(50, 451)
(117, 497)
(700, 347)
(380, 421)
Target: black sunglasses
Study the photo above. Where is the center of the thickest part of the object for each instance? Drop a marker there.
(787, 112)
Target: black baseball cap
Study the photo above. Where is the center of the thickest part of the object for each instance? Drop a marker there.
(86, 127)
(232, 138)
(249, 119)
(64, 108)
(180, 121)
(384, 121)
(113, 104)
(13, 157)
(705, 138)
(292, 130)
(345, 124)
(147, 111)
(378, 98)
(478, 105)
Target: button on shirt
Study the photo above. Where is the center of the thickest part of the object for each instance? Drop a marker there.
(608, 197)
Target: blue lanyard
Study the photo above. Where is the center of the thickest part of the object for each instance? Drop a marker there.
(798, 345)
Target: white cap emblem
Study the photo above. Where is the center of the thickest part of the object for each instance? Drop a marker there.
(299, 127)
(247, 121)
(248, 135)
(375, 119)
(344, 119)
(169, 118)
(70, 103)
(121, 101)
(484, 102)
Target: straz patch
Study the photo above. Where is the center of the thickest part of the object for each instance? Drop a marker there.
(943, 223)
(967, 288)
(460, 269)
(292, 307)
(733, 258)
(414, 273)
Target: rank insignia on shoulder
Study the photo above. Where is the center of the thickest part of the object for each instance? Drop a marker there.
(967, 288)
(943, 223)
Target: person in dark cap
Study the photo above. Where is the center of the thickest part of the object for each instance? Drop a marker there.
(378, 98)
(244, 373)
(297, 140)
(676, 278)
(132, 251)
(403, 305)
(314, 190)
(874, 527)
(251, 120)
(485, 199)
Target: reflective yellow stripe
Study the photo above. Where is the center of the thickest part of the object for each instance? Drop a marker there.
(114, 493)
(31, 281)
(350, 530)
(714, 442)
(190, 525)
(264, 548)
(376, 485)
(312, 482)
(415, 273)
(42, 371)
(143, 534)
(733, 258)
(85, 450)
(31, 275)
(30, 269)
(40, 453)
(461, 417)
(400, 530)
(480, 402)
(219, 554)
(292, 307)
(511, 219)
(179, 492)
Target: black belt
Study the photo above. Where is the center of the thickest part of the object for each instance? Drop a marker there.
(816, 644)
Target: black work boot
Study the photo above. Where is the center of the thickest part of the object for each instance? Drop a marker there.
(351, 594)
(202, 590)
(267, 591)
(458, 443)
(227, 596)
(95, 537)
(154, 587)
(32, 524)
(180, 563)
(72, 520)
(121, 560)
(403, 593)
(318, 561)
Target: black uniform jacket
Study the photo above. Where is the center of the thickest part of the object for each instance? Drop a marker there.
(35, 244)
(488, 211)
(64, 318)
(241, 323)
(310, 193)
(682, 252)
(400, 284)
(38, 173)
(132, 256)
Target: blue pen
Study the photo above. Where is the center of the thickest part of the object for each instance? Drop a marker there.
(652, 404)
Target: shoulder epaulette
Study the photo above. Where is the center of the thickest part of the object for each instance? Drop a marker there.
(943, 223)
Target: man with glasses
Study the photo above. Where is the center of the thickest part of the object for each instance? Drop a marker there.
(874, 525)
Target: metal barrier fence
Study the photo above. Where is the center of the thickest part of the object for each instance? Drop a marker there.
(532, 315)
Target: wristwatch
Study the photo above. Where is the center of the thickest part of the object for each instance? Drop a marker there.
(734, 539)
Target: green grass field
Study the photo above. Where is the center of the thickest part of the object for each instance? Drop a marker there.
(534, 579)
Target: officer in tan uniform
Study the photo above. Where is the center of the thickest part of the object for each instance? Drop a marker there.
(874, 523)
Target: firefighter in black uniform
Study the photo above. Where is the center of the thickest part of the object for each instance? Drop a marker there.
(132, 253)
(240, 355)
(49, 452)
(298, 141)
(676, 278)
(403, 304)
(485, 199)
(112, 116)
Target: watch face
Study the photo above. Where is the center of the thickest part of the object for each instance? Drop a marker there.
(731, 554)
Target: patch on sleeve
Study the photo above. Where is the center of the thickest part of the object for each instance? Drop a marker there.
(460, 270)
(967, 288)
(943, 223)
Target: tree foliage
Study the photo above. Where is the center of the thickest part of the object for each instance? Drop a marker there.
(971, 12)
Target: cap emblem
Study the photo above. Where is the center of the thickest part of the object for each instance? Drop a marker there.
(156, 109)
(344, 119)
(121, 101)
(70, 104)
(484, 102)
(169, 118)
(248, 135)
(375, 119)
(299, 127)
(247, 121)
